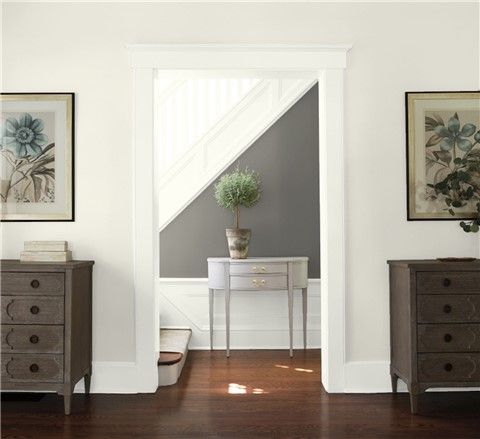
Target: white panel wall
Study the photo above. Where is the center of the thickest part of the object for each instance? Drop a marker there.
(397, 47)
(257, 319)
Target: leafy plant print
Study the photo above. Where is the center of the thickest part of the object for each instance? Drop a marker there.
(28, 161)
(453, 165)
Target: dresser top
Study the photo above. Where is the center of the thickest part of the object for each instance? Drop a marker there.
(434, 264)
(16, 264)
(258, 259)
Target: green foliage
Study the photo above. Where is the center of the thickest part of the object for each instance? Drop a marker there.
(457, 179)
(238, 189)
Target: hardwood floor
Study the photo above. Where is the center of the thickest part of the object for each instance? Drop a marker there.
(254, 394)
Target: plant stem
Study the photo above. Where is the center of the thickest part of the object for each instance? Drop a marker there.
(237, 217)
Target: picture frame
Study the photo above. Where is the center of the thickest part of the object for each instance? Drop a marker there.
(37, 156)
(443, 155)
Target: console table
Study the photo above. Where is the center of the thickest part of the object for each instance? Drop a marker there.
(258, 274)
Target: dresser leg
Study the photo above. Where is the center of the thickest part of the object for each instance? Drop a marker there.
(86, 380)
(414, 403)
(394, 379)
(67, 402)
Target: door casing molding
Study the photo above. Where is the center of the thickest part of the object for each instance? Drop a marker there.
(326, 64)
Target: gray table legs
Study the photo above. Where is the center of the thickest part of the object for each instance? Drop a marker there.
(290, 317)
(304, 303)
(290, 306)
(210, 305)
(227, 318)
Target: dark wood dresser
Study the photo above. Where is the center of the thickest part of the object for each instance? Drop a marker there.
(46, 326)
(434, 325)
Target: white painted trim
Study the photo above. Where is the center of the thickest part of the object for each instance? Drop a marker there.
(327, 62)
(145, 233)
(111, 377)
(332, 214)
(252, 57)
(235, 1)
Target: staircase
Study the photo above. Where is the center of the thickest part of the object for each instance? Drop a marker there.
(204, 125)
(174, 350)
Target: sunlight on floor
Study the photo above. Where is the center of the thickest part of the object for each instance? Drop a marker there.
(239, 389)
(297, 369)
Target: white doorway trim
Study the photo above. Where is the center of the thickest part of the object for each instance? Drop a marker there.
(326, 63)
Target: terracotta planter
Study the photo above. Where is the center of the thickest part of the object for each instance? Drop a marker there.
(238, 240)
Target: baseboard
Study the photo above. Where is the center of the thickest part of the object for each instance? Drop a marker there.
(112, 377)
(374, 377)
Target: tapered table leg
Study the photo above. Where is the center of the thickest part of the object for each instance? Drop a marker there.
(290, 306)
(210, 303)
(304, 303)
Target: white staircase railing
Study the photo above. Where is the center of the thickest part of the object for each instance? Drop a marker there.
(204, 125)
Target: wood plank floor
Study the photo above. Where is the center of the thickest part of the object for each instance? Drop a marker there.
(254, 394)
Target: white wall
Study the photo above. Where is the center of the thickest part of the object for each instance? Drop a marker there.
(397, 47)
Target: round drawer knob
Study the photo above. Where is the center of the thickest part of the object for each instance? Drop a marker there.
(446, 282)
(447, 338)
(447, 309)
(448, 367)
(34, 309)
(34, 283)
(34, 339)
(34, 368)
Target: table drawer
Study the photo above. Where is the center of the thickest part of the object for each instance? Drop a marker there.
(448, 308)
(258, 268)
(446, 282)
(32, 339)
(438, 368)
(32, 368)
(32, 310)
(460, 337)
(29, 284)
(258, 282)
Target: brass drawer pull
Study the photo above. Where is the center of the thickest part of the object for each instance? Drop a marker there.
(257, 282)
(446, 282)
(34, 339)
(34, 283)
(34, 309)
(34, 368)
(448, 367)
(447, 309)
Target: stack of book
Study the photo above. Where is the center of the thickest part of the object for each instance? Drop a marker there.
(46, 251)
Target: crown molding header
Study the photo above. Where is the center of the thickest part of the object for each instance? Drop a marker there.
(238, 1)
(248, 57)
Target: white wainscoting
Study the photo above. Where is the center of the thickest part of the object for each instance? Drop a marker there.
(259, 320)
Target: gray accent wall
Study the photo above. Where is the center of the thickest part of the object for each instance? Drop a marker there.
(286, 220)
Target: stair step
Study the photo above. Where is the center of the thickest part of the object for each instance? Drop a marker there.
(174, 350)
(169, 358)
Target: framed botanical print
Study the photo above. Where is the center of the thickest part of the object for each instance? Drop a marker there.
(36, 156)
(443, 155)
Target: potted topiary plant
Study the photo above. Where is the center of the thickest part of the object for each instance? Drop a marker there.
(234, 190)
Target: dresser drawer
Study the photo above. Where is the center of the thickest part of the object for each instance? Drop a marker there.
(461, 337)
(32, 310)
(29, 284)
(32, 339)
(448, 308)
(258, 282)
(438, 368)
(446, 282)
(32, 368)
(258, 268)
